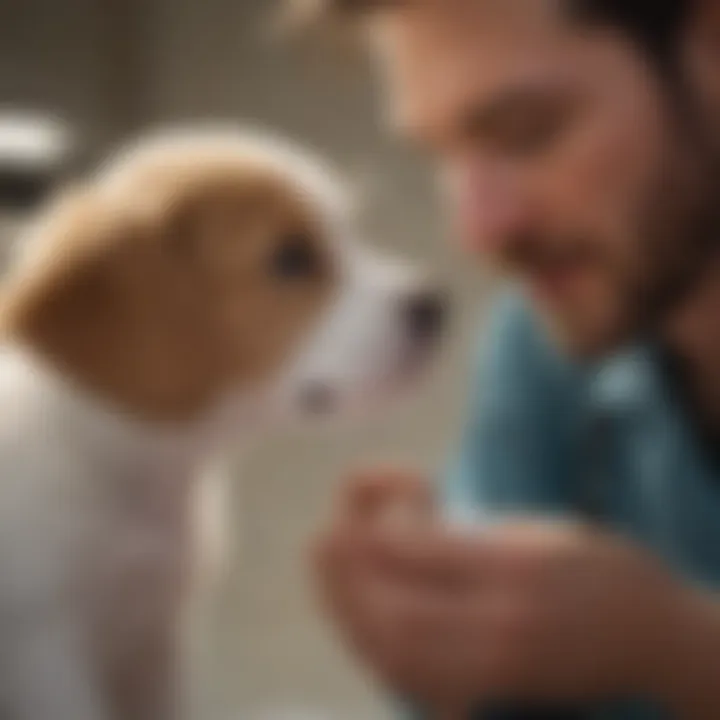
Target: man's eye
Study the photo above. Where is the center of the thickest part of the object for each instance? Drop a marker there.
(295, 258)
(530, 134)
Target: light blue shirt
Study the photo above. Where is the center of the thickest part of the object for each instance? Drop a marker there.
(545, 436)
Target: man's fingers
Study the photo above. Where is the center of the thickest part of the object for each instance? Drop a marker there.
(436, 557)
(371, 493)
(436, 553)
(429, 641)
(393, 620)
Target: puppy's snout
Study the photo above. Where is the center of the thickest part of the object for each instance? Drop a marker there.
(425, 314)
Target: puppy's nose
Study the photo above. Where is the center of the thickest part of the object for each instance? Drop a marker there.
(425, 314)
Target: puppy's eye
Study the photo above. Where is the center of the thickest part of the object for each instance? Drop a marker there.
(295, 258)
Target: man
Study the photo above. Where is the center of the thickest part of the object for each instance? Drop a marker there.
(579, 145)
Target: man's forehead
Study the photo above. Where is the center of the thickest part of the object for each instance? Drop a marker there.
(431, 54)
(419, 23)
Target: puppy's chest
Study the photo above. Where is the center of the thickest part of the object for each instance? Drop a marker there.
(140, 569)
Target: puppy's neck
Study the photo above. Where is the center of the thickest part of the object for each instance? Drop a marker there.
(105, 433)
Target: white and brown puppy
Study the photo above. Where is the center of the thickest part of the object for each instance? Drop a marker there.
(201, 286)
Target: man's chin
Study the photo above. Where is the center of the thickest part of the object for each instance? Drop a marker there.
(583, 341)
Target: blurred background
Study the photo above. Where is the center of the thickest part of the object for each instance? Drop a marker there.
(108, 69)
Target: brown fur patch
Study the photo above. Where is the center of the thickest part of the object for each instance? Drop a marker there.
(163, 297)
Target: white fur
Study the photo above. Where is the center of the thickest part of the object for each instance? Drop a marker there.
(97, 510)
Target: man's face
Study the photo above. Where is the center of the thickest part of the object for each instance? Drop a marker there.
(564, 164)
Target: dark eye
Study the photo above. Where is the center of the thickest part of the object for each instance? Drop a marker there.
(296, 258)
(527, 122)
(531, 133)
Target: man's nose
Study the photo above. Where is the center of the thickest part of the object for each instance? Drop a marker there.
(490, 209)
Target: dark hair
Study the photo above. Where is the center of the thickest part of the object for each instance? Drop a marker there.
(654, 24)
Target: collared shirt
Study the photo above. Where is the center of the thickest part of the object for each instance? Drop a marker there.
(612, 442)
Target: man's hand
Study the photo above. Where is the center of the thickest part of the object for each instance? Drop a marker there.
(524, 611)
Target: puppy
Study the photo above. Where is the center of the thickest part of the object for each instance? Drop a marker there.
(202, 286)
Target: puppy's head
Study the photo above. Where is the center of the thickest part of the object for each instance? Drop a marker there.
(203, 269)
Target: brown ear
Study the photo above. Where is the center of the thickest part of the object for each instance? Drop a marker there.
(106, 305)
(66, 273)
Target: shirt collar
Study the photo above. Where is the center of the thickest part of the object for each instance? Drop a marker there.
(626, 382)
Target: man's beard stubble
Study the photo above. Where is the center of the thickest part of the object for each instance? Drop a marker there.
(679, 235)
(678, 244)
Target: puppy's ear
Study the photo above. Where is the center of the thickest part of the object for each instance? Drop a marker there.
(107, 309)
(64, 264)
(61, 297)
(57, 219)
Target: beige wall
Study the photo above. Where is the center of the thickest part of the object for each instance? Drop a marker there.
(78, 58)
(112, 65)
